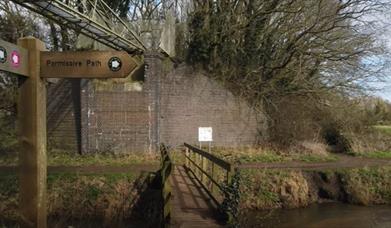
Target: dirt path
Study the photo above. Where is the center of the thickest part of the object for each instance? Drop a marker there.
(94, 169)
(343, 161)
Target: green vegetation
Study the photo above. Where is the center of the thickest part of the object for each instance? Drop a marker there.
(106, 197)
(242, 155)
(8, 159)
(376, 154)
(60, 158)
(368, 185)
(383, 129)
(267, 189)
(177, 156)
(67, 159)
(248, 155)
(305, 78)
(316, 158)
(8, 198)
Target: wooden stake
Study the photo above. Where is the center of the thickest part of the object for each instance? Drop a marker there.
(32, 134)
(204, 163)
(187, 158)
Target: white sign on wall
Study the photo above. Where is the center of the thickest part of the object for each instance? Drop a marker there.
(205, 134)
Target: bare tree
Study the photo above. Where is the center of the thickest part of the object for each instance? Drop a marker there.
(273, 48)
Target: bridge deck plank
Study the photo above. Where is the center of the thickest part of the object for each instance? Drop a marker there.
(191, 205)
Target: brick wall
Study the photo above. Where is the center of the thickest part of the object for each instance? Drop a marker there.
(123, 116)
(190, 100)
(61, 125)
(117, 121)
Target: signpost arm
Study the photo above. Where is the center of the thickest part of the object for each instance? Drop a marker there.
(32, 134)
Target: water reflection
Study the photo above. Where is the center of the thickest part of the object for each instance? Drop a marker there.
(329, 215)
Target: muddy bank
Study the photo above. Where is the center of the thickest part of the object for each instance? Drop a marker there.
(270, 189)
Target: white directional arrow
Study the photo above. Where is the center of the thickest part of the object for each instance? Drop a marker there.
(115, 64)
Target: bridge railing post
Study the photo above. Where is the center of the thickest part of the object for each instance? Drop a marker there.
(204, 166)
(165, 172)
(228, 177)
(199, 165)
(213, 175)
(187, 162)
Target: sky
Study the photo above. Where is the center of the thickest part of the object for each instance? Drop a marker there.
(384, 35)
(384, 90)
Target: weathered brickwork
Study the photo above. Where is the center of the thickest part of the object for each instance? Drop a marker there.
(118, 122)
(131, 118)
(61, 117)
(191, 100)
(123, 117)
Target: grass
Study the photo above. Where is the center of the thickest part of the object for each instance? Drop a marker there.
(268, 189)
(79, 196)
(375, 154)
(248, 155)
(8, 159)
(368, 185)
(242, 155)
(316, 158)
(67, 159)
(61, 158)
(383, 129)
(9, 200)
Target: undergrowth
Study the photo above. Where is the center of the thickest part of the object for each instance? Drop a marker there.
(268, 189)
(368, 186)
(64, 158)
(107, 198)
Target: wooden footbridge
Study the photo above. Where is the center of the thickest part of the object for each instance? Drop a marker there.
(194, 192)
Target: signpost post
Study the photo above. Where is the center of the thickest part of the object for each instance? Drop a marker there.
(32, 137)
(31, 60)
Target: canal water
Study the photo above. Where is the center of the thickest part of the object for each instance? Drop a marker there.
(327, 215)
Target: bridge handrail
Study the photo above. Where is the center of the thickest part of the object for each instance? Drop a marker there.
(203, 168)
(218, 161)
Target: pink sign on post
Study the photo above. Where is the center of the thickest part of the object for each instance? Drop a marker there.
(15, 59)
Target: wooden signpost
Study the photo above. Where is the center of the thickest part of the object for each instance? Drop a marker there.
(30, 59)
(87, 64)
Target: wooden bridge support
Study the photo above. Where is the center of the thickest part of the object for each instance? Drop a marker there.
(32, 134)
